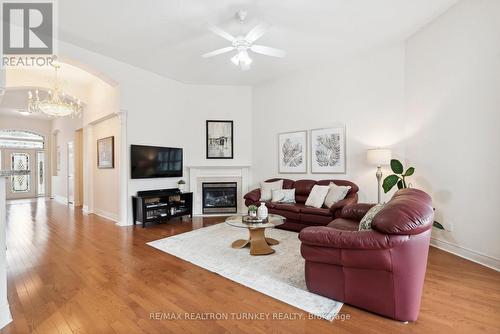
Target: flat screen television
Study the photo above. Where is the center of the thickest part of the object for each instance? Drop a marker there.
(154, 161)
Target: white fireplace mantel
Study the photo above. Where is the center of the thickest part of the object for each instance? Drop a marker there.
(199, 174)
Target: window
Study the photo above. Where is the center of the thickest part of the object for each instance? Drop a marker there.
(20, 183)
(20, 139)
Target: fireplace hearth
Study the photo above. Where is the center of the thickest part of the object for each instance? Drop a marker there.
(219, 197)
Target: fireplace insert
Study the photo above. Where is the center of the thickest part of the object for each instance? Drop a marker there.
(219, 197)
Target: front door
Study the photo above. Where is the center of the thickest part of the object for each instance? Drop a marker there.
(20, 186)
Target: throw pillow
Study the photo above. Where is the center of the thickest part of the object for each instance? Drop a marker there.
(284, 196)
(266, 189)
(336, 193)
(366, 221)
(317, 196)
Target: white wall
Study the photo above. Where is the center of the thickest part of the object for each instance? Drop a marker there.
(366, 94)
(453, 96)
(164, 112)
(106, 181)
(179, 119)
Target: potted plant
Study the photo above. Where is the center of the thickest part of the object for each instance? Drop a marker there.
(181, 184)
(399, 179)
(252, 211)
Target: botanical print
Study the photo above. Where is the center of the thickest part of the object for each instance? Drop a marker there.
(219, 139)
(292, 152)
(328, 150)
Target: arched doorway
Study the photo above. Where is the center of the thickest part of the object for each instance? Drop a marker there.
(23, 150)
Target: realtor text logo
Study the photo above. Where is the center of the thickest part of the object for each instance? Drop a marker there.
(27, 28)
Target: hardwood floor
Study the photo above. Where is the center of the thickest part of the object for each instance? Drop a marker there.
(71, 273)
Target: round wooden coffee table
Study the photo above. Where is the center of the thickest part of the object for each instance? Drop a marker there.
(259, 244)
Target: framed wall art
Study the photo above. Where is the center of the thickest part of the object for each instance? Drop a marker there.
(328, 150)
(292, 155)
(106, 152)
(219, 139)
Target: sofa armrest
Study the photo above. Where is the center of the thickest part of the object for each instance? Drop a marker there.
(324, 236)
(336, 208)
(253, 196)
(355, 211)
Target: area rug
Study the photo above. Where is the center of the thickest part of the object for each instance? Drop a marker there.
(279, 275)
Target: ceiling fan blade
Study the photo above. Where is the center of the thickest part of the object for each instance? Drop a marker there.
(218, 52)
(221, 33)
(268, 51)
(257, 32)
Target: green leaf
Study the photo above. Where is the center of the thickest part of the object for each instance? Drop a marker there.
(396, 166)
(410, 171)
(390, 182)
(400, 184)
(438, 225)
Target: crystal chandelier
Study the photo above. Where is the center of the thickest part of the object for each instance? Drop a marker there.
(57, 104)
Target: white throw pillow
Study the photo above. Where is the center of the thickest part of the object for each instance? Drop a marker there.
(366, 221)
(284, 196)
(266, 189)
(336, 193)
(317, 196)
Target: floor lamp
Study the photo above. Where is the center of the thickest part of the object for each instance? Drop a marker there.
(378, 157)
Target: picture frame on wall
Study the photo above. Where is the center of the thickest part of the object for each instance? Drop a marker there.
(328, 150)
(219, 139)
(106, 152)
(292, 152)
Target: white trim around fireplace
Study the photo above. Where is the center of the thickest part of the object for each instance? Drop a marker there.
(199, 174)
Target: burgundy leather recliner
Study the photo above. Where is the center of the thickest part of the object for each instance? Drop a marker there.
(381, 270)
(298, 215)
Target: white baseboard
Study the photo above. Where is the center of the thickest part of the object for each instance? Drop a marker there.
(85, 209)
(469, 254)
(5, 316)
(61, 199)
(125, 224)
(107, 215)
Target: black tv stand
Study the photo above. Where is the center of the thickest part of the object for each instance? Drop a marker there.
(155, 206)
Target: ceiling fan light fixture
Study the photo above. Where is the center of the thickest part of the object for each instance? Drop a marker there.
(242, 59)
(244, 43)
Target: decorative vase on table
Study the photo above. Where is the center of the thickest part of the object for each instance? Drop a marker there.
(262, 211)
(181, 185)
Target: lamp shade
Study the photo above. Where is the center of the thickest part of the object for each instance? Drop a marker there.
(378, 157)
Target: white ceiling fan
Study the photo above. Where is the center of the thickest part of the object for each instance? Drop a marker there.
(244, 43)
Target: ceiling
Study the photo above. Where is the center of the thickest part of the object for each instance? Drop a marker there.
(168, 36)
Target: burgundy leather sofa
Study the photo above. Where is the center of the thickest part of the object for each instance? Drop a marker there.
(381, 270)
(298, 215)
